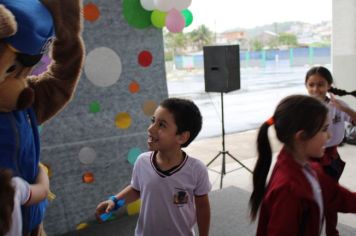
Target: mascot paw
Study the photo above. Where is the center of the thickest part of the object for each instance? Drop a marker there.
(8, 24)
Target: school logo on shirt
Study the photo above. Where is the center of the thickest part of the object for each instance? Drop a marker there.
(180, 197)
(337, 118)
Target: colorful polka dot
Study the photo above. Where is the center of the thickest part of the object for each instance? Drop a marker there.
(134, 87)
(82, 226)
(103, 67)
(123, 120)
(40, 128)
(88, 178)
(133, 208)
(41, 66)
(94, 107)
(133, 154)
(87, 155)
(91, 12)
(149, 107)
(145, 58)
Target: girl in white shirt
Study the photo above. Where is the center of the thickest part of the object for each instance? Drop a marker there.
(318, 82)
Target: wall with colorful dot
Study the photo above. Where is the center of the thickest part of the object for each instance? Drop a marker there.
(91, 146)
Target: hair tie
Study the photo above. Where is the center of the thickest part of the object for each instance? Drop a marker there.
(270, 121)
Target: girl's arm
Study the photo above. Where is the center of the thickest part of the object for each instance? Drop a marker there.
(202, 205)
(343, 107)
(39, 190)
(129, 194)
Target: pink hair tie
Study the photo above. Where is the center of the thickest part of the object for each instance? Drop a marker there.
(270, 121)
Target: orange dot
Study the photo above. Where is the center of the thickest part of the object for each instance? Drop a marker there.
(134, 87)
(88, 178)
(91, 12)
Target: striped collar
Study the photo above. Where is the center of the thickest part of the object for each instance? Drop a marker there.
(165, 173)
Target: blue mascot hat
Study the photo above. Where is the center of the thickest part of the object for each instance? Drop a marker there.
(35, 28)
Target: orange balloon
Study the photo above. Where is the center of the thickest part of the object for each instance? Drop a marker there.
(91, 12)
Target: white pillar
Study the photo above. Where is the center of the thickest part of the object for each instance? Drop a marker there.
(344, 47)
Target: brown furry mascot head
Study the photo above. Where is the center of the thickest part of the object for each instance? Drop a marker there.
(27, 29)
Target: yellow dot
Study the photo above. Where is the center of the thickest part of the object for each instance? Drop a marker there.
(134, 207)
(123, 120)
(82, 226)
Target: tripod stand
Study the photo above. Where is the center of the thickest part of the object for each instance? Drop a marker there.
(224, 152)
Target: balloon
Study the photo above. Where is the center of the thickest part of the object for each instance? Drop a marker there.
(163, 5)
(181, 4)
(147, 4)
(175, 21)
(135, 15)
(158, 18)
(188, 17)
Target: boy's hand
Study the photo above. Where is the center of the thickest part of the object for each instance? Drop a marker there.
(104, 207)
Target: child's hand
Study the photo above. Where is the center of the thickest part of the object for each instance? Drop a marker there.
(336, 103)
(104, 207)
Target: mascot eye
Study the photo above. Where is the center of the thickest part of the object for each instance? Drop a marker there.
(11, 69)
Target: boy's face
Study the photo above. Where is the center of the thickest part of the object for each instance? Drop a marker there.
(162, 132)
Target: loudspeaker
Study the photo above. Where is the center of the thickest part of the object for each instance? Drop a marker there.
(222, 68)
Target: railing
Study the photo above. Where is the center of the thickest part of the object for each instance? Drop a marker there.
(265, 58)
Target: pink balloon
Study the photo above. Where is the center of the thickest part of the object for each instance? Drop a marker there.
(175, 21)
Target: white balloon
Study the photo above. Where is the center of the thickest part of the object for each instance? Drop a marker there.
(164, 5)
(181, 4)
(147, 4)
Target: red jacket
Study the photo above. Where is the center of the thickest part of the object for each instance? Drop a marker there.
(289, 208)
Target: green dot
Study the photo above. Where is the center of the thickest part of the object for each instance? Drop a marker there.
(94, 107)
(133, 154)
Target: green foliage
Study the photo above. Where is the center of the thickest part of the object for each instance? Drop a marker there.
(201, 36)
(320, 44)
(287, 39)
(177, 43)
(256, 45)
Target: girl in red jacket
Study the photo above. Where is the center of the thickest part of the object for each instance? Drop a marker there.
(298, 194)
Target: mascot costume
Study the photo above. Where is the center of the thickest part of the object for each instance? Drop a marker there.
(27, 29)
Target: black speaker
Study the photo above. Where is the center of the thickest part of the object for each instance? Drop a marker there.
(222, 68)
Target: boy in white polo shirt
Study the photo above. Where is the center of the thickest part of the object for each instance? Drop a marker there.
(173, 186)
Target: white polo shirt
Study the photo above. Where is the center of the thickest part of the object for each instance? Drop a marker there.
(337, 121)
(168, 205)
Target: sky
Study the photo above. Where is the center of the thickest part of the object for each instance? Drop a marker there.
(221, 15)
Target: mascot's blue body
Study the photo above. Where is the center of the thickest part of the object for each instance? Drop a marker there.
(27, 30)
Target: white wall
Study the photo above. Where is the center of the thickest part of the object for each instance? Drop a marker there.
(344, 46)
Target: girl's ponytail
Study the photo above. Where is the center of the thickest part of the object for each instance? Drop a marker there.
(341, 92)
(262, 167)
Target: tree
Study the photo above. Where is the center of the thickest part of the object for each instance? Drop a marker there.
(287, 39)
(175, 44)
(201, 36)
(256, 45)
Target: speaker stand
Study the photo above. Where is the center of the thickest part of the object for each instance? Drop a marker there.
(223, 153)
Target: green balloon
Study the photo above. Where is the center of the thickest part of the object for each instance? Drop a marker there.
(188, 17)
(158, 18)
(135, 14)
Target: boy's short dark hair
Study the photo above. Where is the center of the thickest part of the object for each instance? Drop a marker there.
(186, 116)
